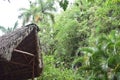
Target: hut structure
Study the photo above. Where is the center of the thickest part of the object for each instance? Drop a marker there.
(20, 54)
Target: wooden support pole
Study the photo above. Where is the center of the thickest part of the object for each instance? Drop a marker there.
(33, 69)
(19, 63)
(16, 63)
(26, 58)
(23, 52)
(20, 71)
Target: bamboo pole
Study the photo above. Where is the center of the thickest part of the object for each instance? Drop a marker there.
(33, 69)
(23, 52)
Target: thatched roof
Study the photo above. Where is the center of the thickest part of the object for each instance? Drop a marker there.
(20, 54)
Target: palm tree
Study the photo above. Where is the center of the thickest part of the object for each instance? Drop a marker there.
(9, 29)
(47, 7)
(28, 14)
(41, 13)
(38, 11)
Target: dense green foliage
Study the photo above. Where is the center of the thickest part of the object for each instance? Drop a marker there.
(52, 73)
(87, 39)
(80, 43)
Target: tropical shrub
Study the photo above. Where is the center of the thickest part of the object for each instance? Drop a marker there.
(101, 61)
(50, 72)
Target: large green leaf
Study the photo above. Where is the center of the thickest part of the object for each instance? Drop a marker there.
(87, 49)
(63, 4)
(113, 61)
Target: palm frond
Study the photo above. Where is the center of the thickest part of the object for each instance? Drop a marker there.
(86, 49)
(20, 16)
(51, 16)
(23, 9)
(3, 29)
(15, 25)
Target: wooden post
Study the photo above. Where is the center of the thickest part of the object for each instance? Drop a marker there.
(33, 68)
(33, 60)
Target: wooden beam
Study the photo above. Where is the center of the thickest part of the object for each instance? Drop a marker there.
(23, 52)
(19, 63)
(26, 58)
(19, 71)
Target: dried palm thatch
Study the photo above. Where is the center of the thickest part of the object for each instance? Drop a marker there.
(20, 54)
